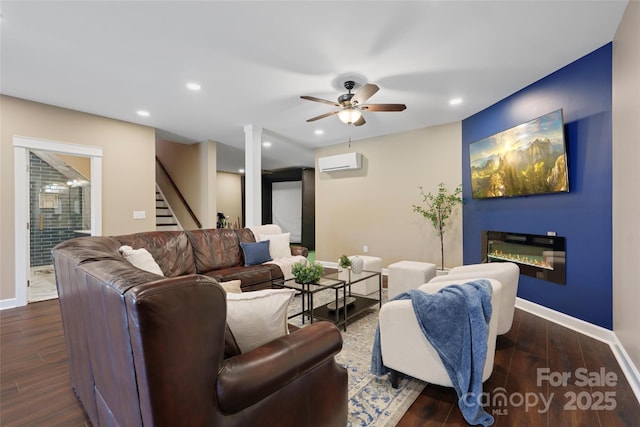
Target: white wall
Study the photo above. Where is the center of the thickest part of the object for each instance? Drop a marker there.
(286, 207)
(626, 180)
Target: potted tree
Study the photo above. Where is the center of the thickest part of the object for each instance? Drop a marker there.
(438, 208)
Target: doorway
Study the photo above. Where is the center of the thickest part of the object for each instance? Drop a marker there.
(59, 204)
(61, 196)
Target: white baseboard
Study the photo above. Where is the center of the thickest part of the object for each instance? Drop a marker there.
(597, 332)
(630, 370)
(586, 328)
(7, 303)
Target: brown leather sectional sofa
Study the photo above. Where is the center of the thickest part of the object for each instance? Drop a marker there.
(146, 350)
(213, 252)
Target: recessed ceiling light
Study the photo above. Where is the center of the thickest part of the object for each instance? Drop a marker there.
(455, 101)
(241, 170)
(143, 113)
(266, 144)
(319, 132)
(193, 86)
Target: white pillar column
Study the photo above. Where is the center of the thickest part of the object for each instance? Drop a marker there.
(253, 175)
(208, 175)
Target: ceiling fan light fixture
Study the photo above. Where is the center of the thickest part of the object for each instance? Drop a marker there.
(349, 115)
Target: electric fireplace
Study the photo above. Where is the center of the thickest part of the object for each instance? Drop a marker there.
(542, 257)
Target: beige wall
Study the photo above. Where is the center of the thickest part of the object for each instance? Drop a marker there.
(373, 206)
(229, 196)
(626, 176)
(127, 168)
(80, 164)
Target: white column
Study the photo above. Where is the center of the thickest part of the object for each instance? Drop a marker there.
(208, 174)
(253, 175)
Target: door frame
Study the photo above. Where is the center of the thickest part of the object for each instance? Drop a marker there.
(21, 147)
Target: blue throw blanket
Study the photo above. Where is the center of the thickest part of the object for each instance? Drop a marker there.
(455, 320)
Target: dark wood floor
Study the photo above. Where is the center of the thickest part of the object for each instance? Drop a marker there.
(35, 389)
(534, 343)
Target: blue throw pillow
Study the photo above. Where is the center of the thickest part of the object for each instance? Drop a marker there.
(255, 253)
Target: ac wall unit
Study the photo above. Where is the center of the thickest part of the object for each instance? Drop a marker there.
(340, 162)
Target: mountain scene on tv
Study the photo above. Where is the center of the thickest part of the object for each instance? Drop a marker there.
(527, 159)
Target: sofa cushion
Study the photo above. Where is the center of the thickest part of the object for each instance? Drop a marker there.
(231, 286)
(258, 317)
(214, 249)
(246, 235)
(278, 244)
(253, 278)
(171, 250)
(141, 258)
(90, 249)
(255, 253)
(257, 230)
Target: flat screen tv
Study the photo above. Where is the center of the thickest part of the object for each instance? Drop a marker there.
(527, 159)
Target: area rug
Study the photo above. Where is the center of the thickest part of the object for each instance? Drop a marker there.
(372, 400)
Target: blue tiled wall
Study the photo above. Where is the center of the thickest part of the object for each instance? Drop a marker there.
(583, 90)
(57, 224)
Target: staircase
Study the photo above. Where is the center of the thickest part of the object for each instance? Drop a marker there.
(165, 220)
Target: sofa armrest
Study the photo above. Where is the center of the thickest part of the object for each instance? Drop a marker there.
(250, 377)
(177, 333)
(299, 250)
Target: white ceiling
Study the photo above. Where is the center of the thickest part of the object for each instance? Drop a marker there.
(254, 60)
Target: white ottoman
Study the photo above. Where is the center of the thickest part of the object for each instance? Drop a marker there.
(405, 275)
(370, 285)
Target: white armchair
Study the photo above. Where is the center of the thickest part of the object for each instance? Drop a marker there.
(405, 349)
(507, 273)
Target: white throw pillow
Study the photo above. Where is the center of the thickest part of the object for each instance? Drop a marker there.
(258, 317)
(232, 286)
(141, 258)
(278, 245)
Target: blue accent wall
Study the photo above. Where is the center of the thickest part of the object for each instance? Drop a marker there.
(583, 216)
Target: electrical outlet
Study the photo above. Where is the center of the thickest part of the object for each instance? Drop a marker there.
(139, 214)
(365, 249)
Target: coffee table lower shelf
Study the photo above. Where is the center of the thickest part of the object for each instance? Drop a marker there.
(360, 305)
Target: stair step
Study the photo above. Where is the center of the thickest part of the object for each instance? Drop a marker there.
(165, 220)
(162, 227)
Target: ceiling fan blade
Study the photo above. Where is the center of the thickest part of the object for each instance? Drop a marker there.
(364, 93)
(360, 121)
(324, 101)
(322, 116)
(383, 107)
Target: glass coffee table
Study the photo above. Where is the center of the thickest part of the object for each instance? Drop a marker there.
(335, 311)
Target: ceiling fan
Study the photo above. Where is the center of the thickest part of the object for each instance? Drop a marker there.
(352, 104)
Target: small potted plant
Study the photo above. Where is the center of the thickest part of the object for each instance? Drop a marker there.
(344, 262)
(307, 272)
